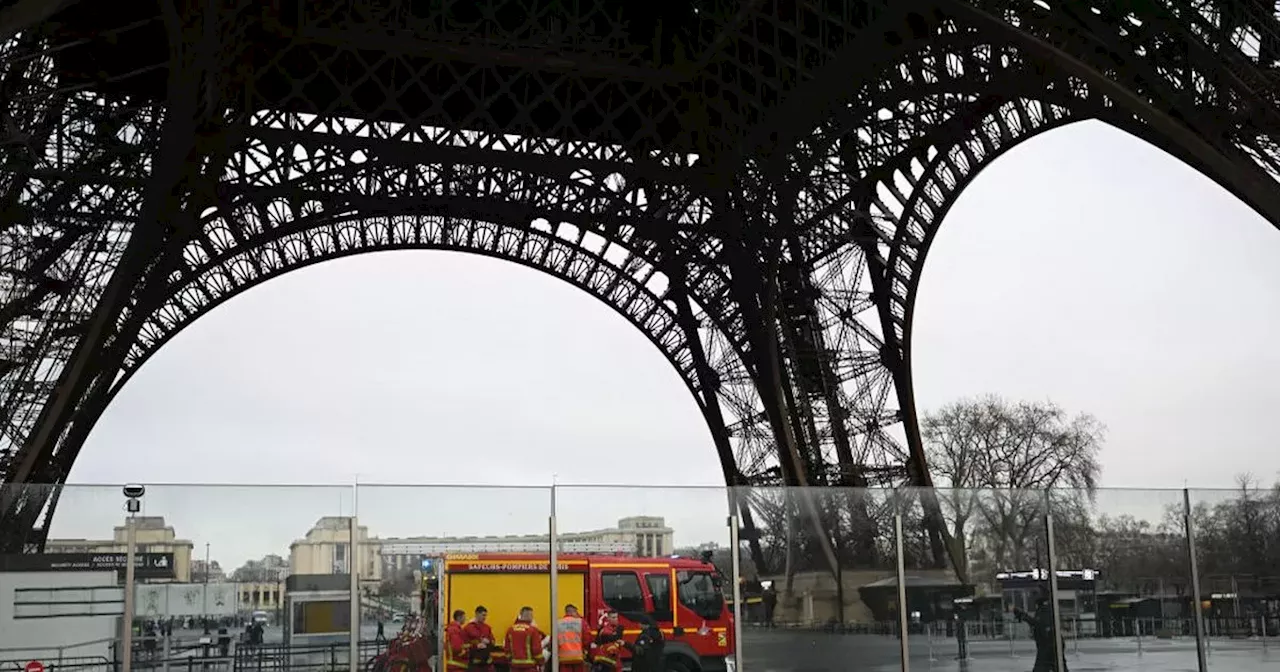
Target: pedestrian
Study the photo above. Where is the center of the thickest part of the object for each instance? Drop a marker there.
(381, 637)
(770, 601)
(224, 641)
(1044, 634)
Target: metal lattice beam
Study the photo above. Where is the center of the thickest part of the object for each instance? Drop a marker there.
(755, 185)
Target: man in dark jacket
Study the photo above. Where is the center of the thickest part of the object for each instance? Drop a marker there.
(646, 652)
(1042, 631)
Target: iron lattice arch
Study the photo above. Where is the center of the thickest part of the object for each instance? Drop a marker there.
(754, 184)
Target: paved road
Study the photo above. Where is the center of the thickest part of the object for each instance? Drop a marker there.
(792, 651)
(800, 651)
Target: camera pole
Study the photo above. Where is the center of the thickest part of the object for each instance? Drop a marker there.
(133, 505)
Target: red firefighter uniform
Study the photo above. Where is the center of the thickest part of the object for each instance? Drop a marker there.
(455, 647)
(607, 647)
(523, 645)
(480, 645)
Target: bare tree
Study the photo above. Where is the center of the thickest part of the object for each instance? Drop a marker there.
(994, 459)
(1236, 535)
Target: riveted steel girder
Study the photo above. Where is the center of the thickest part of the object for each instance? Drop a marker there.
(754, 185)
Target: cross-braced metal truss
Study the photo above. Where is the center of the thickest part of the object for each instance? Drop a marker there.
(754, 184)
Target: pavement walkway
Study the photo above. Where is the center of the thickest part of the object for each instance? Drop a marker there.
(796, 651)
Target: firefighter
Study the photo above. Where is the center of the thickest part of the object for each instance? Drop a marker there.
(479, 642)
(607, 647)
(455, 643)
(570, 641)
(523, 643)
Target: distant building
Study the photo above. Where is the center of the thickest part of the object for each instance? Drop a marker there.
(213, 574)
(270, 569)
(259, 596)
(152, 536)
(643, 536)
(326, 549)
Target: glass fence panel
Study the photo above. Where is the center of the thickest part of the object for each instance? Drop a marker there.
(269, 575)
(482, 553)
(63, 609)
(975, 563)
(1237, 541)
(223, 575)
(819, 570)
(1124, 579)
(660, 558)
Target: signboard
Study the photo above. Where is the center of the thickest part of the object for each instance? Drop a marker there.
(1068, 579)
(146, 565)
(162, 600)
(34, 666)
(512, 565)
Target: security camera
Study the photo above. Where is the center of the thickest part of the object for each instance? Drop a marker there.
(134, 491)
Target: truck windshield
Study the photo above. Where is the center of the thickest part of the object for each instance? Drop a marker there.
(698, 591)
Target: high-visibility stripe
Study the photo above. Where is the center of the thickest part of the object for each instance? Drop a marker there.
(675, 613)
(665, 631)
(569, 640)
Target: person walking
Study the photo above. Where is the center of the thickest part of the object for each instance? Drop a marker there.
(1044, 635)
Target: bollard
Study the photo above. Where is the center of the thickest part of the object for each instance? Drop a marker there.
(1009, 628)
(1138, 628)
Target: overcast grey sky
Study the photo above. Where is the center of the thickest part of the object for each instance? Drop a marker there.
(1084, 267)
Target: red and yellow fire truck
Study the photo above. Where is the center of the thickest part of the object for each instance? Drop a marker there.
(683, 596)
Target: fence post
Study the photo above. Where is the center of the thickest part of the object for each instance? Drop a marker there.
(131, 546)
(1059, 654)
(442, 616)
(353, 567)
(553, 567)
(904, 646)
(1201, 661)
(735, 543)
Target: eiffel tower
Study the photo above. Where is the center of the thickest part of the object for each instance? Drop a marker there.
(754, 184)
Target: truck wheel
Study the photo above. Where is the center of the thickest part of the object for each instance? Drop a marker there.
(678, 665)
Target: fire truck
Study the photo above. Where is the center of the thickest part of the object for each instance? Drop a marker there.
(683, 596)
